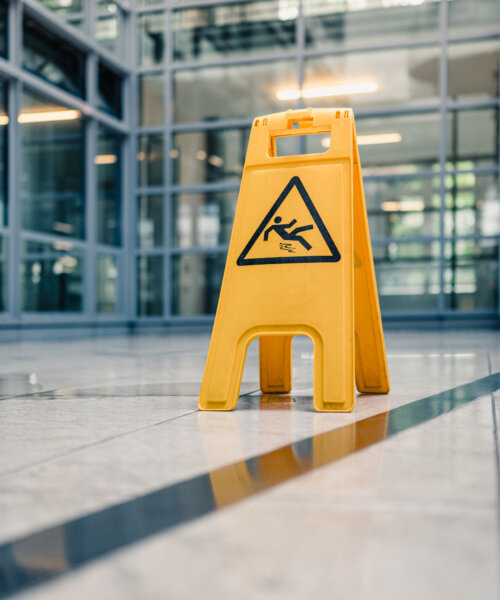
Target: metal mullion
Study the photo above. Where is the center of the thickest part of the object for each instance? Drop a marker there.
(493, 34)
(235, 61)
(498, 174)
(151, 70)
(211, 125)
(13, 296)
(222, 186)
(203, 250)
(426, 239)
(127, 272)
(443, 94)
(108, 250)
(167, 163)
(153, 130)
(150, 191)
(91, 192)
(475, 171)
(47, 238)
(88, 8)
(300, 44)
(472, 104)
(427, 174)
(156, 251)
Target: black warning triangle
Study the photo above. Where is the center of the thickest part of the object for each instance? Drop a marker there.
(333, 256)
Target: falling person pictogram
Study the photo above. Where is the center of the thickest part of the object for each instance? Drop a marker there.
(281, 230)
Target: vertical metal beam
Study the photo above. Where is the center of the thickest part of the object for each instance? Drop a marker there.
(129, 175)
(167, 165)
(90, 151)
(300, 41)
(443, 94)
(14, 165)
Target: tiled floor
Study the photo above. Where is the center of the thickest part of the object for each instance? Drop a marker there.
(89, 424)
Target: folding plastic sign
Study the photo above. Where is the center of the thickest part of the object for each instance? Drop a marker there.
(299, 263)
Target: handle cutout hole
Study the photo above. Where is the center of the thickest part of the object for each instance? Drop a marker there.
(296, 145)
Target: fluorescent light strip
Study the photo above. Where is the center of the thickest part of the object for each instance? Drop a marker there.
(49, 116)
(346, 89)
(403, 206)
(379, 138)
(105, 159)
(369, 140)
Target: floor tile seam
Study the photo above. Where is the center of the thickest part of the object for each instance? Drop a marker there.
(61, 389)
(73, 451)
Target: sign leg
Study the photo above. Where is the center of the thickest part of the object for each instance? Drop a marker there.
(275, 358)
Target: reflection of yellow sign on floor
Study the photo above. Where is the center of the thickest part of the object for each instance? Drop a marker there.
(290, 270)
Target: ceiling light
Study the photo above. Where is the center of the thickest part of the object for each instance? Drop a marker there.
(379, 138)
(215, 160)
(48, 116)
(367, 140)
(346, 89)
(403, 206)
(105, 159)
(4, 119)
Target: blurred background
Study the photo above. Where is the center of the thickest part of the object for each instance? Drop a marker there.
(123, 132)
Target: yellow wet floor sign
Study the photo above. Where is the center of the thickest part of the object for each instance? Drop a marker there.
(299, 263)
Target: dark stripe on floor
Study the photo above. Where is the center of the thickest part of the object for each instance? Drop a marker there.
(41, 556)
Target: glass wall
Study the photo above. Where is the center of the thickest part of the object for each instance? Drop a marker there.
(63, 128)
(124, 126)
(427, 116)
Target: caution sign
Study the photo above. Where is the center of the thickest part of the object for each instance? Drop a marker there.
(299, 263)
(291, 232)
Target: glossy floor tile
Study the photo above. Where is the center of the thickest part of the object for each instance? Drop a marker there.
(92, 424)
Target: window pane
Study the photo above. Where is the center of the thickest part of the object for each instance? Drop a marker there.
(50, 57)
(340, 23)
(472, 139)
(4, 120)
(204, 219)
(232, 91)
(471, 275)
(234, 29)
(408, 276)
(108, 26)
(197, 281)
(150, 221)
(151, 100)
(151, 39)
(470, 16)
(203, 156)
(403, 207)
(52, 168)
(63, 7)
(150, 159)
(150, 285)
(411, 79)
(110, 91)
(472, 204)
(108, 164)
(107, 284)
(51, 278)
(473, 70)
